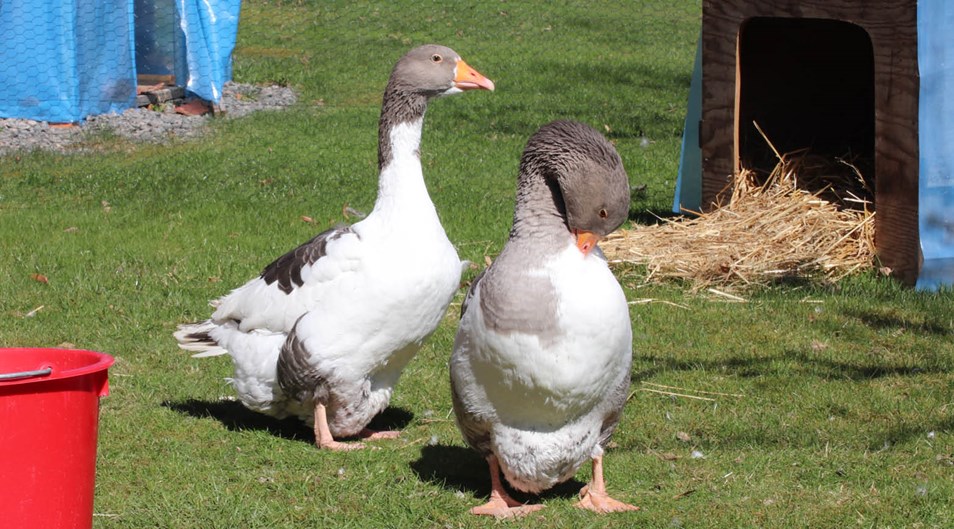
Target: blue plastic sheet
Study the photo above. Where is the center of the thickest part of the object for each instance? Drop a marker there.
(210, 28)
(65, 60)
(688, 196)
(936, 135)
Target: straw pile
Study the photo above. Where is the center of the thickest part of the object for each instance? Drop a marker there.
(809, 219)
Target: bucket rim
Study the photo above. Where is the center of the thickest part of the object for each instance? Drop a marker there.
(102, 362)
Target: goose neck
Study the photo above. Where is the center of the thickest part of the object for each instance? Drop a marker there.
(540, 210)
(399, 128)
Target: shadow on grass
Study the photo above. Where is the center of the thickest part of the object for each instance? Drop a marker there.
(886, 320)
(799, 368)
(788, 363)
(457, 468)
(391, 418)
(908, 432)
(236, 417)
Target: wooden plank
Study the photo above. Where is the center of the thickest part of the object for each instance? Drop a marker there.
(163, 95)
(720, 27)
(153, 79)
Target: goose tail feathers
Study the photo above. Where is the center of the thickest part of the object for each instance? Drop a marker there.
(196, 337)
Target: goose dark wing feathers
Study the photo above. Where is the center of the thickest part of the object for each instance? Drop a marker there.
(286, 270)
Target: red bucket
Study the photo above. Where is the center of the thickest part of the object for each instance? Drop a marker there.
(49, 420)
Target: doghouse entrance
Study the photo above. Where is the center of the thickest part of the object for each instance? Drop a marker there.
(809, 84)
(840, 78)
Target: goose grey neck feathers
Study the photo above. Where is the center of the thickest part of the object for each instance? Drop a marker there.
(571, 178)
(424, 72)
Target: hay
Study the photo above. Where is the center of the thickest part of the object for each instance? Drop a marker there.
(808, 219)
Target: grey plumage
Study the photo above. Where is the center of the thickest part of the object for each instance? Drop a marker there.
(541, 362)
(425, 72)
(569, 174)
(587, 185)
(298, 379)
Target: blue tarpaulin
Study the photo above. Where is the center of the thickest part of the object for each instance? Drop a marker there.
(688, 195)
(209, 27)
(62, 61)
(936, 136)
(66, 60)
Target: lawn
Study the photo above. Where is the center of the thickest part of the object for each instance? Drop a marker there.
(821, 405)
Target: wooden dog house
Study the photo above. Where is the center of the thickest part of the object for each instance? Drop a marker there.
(834, 76)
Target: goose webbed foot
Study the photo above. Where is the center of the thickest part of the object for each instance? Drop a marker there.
(593, 496)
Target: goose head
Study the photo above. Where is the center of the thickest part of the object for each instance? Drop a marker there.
(433, 70)
(422, 74)
(586, 187)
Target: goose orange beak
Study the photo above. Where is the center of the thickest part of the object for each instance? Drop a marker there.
(586, 240)
(470, 79)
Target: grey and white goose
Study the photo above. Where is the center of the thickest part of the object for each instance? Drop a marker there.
(326, 329)
(541, 363)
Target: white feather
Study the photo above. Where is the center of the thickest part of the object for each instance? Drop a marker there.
(544, 402)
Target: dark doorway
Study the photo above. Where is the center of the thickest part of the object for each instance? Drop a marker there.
(809, 84)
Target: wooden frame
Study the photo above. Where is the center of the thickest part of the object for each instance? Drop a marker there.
(892, 28)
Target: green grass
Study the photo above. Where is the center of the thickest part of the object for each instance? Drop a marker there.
(846, 417)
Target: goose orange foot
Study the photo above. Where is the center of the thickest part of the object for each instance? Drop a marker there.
(593, 497)
(504, 507)
(323, 437)
(601, 502)
(372, 435)
(338, 446)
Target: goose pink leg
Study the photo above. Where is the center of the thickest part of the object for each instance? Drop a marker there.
(323, 438)
(501, 504)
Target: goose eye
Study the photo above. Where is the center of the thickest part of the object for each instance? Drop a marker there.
(603, 213)
(436, 58)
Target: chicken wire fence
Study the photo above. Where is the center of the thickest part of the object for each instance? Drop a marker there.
(66, 60)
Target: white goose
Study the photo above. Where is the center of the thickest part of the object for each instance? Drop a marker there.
(325, 331)
(541, 362)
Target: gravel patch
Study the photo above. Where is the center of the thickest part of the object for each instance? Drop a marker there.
(140, 124)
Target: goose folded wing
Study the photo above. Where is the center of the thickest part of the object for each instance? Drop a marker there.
(291, 285)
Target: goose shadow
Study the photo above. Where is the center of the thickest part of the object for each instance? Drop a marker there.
(456, 468)
(236, 417)
(906, 433)
(825, 369)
